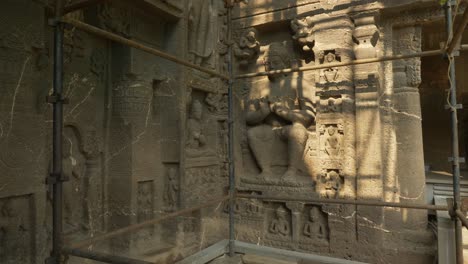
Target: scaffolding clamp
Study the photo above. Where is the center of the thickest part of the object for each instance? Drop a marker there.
(457, 106)
(52, 99)
(55, 178)
(459, 159)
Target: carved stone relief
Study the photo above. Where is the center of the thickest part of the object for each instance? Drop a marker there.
(196, 143)
(171, 189)
(331, 183)
(248, 48)
(331, 145)
(303, 32)
(115, 18)
(366, 36)
(279, 115)
(16, 230)
(280, 225)
(145, 207)
(201, 25)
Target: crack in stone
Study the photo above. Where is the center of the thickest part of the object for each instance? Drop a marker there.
(81, 102)
(373, 224)
(13, 103)
(138, 137)
(401, 112)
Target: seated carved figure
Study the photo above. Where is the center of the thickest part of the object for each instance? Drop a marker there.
(196, 144)
(315, 228)
(248, 48)
(282, 112)
(280, 225)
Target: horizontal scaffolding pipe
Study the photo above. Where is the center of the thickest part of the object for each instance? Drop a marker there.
(80, 5)
(102, 257)
(343, 201)
(350, 63)
(135, 227)
(131, 43)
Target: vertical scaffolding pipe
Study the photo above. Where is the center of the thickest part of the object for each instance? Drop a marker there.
(56, 175)
(232, 188)
(455, 146)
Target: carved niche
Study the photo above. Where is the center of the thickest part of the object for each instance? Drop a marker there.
(279, 226)
(278, 116)
(247, 49)
(329, 75)
(17, 230)
(82, 150)
(202, 158)
(331, 145)
(171, 188)
(314, 232)
(145, 207)
(201, 28)
(115, 18)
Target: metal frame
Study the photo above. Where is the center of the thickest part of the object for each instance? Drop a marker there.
(59, 250)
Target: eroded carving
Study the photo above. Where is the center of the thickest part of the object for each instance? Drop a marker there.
(303, 32)
(201, 32)
(196, 144)
(280, 224)
(281, 114)
(171, 189)
(248, 48)
(331, 183)
(316, 226)
(16, 230)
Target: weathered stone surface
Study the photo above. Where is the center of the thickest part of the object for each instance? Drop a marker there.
(144, 137)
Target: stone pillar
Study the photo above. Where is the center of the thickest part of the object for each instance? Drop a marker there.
(368, 130)
(336, 127)
(407, 121)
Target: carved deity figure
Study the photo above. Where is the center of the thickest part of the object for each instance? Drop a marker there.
(196, 140)
(213, 100)
(280, 225)
(281, 112)
(332, 184)
(315, 227)
(330, 74)
(302, 28)
(171, 189)
(248, 48)
(73, 170)
(201, 31)
(332, 143)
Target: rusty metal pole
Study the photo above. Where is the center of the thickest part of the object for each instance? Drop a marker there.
(455, 159)
(55, 178)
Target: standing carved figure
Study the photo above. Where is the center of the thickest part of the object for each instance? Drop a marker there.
(315, 227)
(332, 143)
(172, 188)
(280, 225)
(283, 112)
(201, 31)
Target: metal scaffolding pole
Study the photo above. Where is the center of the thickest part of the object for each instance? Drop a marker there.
(56, 178)
(455, 147)
(232, 187)
(102, 257)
